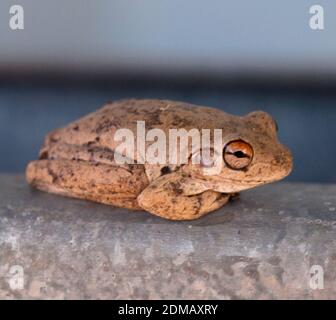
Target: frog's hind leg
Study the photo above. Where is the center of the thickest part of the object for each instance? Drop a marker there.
(166, 198)
(113, 185)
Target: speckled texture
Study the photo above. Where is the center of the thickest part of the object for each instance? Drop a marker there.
(78, 160)
(259, 247)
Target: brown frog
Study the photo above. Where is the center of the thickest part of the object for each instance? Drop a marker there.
(79, 159)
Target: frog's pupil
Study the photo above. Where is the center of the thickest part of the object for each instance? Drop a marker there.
(240, 154)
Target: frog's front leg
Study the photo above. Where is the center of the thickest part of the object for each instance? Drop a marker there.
(113, 185)
(166, 197)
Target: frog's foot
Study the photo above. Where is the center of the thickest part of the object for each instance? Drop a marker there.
(113, 185)
(165, 198)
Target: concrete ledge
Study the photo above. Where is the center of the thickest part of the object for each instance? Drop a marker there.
(262, 246)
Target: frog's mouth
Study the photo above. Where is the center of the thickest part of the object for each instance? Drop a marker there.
(249, 182)
(235, 185)
(241, 182)
(229, 186)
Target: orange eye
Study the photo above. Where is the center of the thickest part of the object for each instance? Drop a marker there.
(238, 154)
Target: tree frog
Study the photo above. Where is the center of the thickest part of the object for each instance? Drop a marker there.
(79, 160)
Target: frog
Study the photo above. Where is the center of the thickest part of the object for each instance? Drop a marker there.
(79, 159)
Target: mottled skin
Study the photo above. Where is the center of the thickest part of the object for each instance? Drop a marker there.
(78, 160)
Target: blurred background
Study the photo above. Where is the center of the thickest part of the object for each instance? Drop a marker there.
(73, 56)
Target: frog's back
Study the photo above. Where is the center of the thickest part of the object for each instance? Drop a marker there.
(162, 114)
(99, 127)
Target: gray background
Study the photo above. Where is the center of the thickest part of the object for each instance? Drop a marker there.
(240, 56)
(216, 36)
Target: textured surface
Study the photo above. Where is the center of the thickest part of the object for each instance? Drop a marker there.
(86, 159)
(261, 246)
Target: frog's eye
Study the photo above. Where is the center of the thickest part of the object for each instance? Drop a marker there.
(238, 154)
